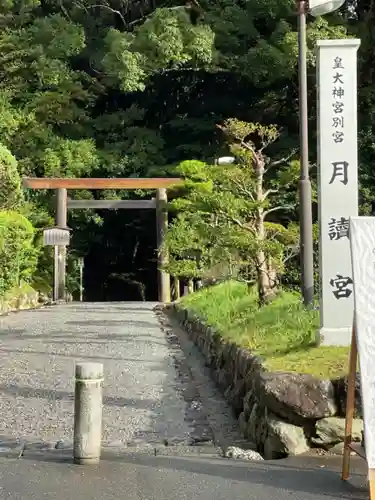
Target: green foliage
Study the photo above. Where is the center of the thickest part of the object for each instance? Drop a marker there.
(42, 278)
(18, 255)
(11, 195)
(222, 218)
(113, 89)
(122, 64)
(283, 332)
(187, 245)
(165, 41)
(192, 45)
(10, 118)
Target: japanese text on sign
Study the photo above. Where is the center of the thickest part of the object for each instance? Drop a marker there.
(342, 286)
(339, 168)
(338, 94)
(339, 172)
(338, 228)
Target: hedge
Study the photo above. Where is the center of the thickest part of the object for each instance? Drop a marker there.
(18, 255)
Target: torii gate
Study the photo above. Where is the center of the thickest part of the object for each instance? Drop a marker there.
(61, 185)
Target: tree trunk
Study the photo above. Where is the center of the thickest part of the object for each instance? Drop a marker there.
(190, 285)
(265, 288)
(176, 288)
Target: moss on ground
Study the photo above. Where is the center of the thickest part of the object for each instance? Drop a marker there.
(283, 332)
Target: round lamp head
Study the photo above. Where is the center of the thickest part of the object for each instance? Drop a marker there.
(321, 7)
(225, 160)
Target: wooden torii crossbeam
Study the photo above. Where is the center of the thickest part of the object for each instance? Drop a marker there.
(97, 183)
(111, 204)
(61, 185)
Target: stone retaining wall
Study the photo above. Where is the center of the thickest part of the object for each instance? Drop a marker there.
(281, 413)
(27, 300)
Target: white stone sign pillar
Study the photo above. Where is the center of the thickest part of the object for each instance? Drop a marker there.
(337, 184)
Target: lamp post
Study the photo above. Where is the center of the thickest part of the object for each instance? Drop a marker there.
(316, 8)
(81, 264)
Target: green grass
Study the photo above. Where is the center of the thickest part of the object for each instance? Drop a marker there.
(283, 333)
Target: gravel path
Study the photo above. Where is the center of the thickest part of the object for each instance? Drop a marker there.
(143, 397)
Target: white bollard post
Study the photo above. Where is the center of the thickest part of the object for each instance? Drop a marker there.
(88, 413)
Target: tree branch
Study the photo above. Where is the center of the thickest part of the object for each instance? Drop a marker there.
(274, 209)
(114, 11)
(239, 139)
(242, 188)
(291, 252)
(270, 191)
(282, 160)
(81, 6)
(64, 11)
(265, 144)
(237, 222)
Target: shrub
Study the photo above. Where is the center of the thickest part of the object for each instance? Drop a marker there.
(18, 255)
(11, 194)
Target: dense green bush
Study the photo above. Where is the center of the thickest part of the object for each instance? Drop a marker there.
(20, 250)
(18, 254)
(11, 194)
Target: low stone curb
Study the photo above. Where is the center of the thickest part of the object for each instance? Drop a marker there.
(16, 449)
(282, 413)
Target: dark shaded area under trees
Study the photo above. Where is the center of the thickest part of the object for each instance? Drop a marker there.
(121, 263)
(117, 89)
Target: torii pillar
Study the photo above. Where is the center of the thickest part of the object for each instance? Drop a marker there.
(164, 279)
(61, 221)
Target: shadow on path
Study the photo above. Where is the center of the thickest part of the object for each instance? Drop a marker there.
(78, 356)
(114, 322)
(55, 395)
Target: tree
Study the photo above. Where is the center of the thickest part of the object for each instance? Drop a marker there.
(224, 218)
(249, 143)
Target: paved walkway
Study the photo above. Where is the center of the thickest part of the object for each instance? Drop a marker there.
(38, 351)
(176, 478)
(145, 403)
